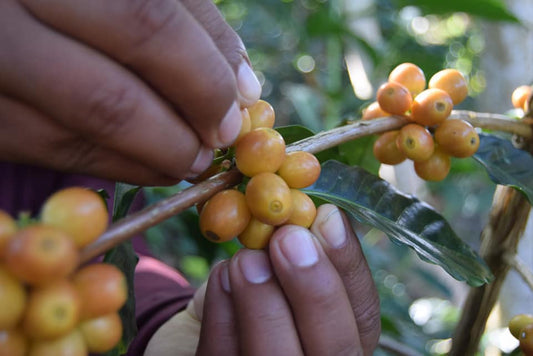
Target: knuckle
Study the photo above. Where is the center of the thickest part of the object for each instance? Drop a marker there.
(149, 17)
(109, 110)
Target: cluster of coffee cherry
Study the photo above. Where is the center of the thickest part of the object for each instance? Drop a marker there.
(429, 138)
(273, 179)
(521, 327)
(50, 305)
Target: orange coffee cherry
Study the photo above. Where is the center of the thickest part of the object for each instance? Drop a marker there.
(262, 114)
(224, 216)
(415, 142)
(394, 98)
(300, 169)
(520, 95)
(52, 310)
(256, 235)
(260, 150)
(39, 254)
(435, 168)
(102, 289)
(409, 75)
(8, 227)
(457, 138)
(102, 333)
(71, 344)
(13, 299)
(80, 212)
(374, 111)
(13, 342)
(304, 209)
(518, 322)
(386, 150)
(452, 82)
(526, 340)
(431, 107)
(269, 198)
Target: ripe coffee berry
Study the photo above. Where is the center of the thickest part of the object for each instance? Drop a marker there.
(269, 198)
(431, 107)
(416, 142)
(373, 111)
(458, 138)
(394, 98)
(224, 216)
(520, 96)
(386, 150)
(257, 234)
(262, 114)
(452, 82)
(409, 75)
(435, 168)
(260, 150)
(299, 169)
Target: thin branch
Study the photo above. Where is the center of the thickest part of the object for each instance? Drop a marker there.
(520, 267)
(496, 122)
(154, 214)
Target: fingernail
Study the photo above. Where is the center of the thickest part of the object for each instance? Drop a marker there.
(230, 126)
(298, 247)
(202, 162)
(249, 86)
(332, 228)
(254, 266)
(224, 278)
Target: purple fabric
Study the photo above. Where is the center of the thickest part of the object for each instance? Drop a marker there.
(160, 291)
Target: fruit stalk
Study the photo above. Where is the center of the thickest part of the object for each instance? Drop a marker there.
(173, 205)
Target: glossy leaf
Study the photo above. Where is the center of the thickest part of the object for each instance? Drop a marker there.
(506, 164)
(404, 218)
(293, 133)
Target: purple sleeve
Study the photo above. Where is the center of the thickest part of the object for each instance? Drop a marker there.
(160, 291)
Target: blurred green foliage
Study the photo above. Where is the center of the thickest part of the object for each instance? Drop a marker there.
(319, 63)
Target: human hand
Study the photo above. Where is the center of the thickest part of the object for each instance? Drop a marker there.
(131, 90)
(311, 295)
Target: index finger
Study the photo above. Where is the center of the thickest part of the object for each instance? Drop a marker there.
(344, 251)
(161, 41)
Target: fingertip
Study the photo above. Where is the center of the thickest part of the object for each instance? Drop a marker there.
(248, 85)
(230, 126)
(329, 226)
(203, 160)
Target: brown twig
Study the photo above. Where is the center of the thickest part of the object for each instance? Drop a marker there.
(154, 214)
(500, 237)
(496, 122)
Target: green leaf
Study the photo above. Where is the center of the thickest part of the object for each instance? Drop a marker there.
(488, 9)
(506, 164)
(124, 257)
(405, 219)
(359, 153)
(294, 133)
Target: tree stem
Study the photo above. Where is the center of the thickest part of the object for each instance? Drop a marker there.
(500, 237)
(173, 205)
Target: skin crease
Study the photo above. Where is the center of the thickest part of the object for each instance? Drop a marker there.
(104, 88)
